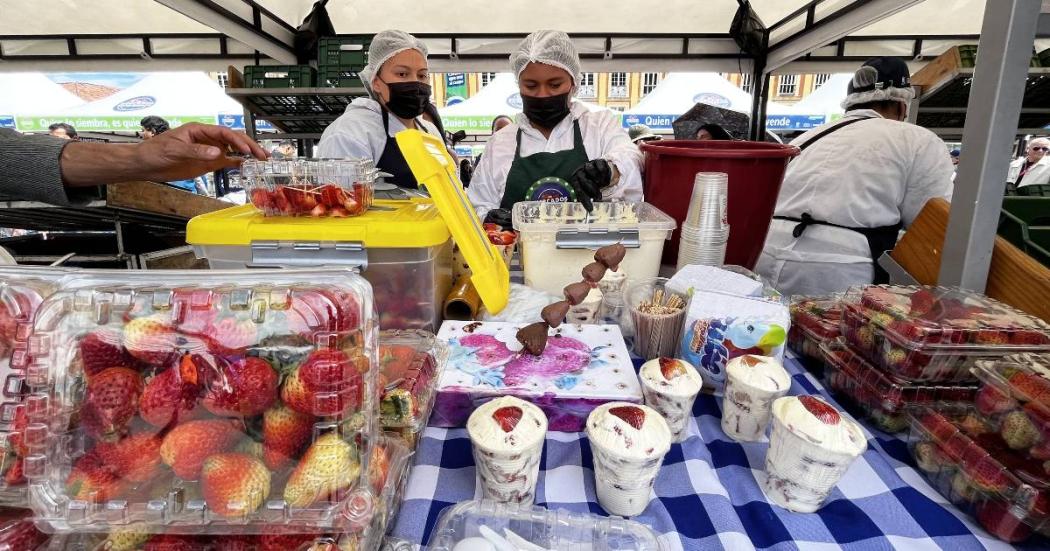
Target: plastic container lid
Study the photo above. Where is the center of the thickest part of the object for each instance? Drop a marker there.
(434, 169)
(548, 529)
(819, 316)
(939, 318)
(410, 364)
(539, 216)
(879, 389)
(389, 224)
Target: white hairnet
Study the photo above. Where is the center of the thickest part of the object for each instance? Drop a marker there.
(386, 45)
(553, 48)
(868, 77)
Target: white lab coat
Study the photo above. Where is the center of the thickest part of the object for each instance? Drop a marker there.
(358, 132)
(869, 174)
(1038, 175)
(603, 138)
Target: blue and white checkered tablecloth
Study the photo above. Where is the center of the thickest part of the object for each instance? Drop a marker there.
(708, 494)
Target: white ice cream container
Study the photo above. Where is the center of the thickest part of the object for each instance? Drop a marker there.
(752, 383)
(508, 462)
(673, 397)
(626, 458)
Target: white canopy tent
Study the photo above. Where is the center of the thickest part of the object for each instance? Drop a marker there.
(178, 97)
(22, 93)
(827, 99)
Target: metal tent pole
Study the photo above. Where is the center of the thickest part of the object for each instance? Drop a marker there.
(994, 108)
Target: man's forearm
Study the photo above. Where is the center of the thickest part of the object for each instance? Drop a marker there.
(89, 164)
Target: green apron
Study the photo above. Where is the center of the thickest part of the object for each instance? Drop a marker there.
(525, 171)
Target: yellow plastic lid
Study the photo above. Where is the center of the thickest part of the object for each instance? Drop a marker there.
(388, 224)
(434, 169)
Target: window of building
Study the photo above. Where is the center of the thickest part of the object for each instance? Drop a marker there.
(747, 82)
(486, 78)
(587, 87)
(618, 85)
(820, 78)
(788, 85)
(649, 82)
(224, 79)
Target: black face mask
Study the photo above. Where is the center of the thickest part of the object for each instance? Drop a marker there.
(545, 112)
(407, 99)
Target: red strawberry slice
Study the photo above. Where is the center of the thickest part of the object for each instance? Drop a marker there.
(1033, 387)
(103, 348)
(632, 415)
(507, 417)
(820, 409)
(671, 368)
(922, 301)
(990, 400)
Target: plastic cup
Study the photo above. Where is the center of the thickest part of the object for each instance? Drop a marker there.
(624, 474)
(508, 463)
(752, 384)
(802, 468)
(672, 398)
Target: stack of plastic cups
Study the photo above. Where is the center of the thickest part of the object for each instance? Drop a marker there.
(705, 230)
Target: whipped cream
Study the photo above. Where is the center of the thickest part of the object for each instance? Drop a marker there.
(686, 384)
(621, 440)
(842, 437)
(752, 383)
(486, 432)
(761, 373)
(673, 397)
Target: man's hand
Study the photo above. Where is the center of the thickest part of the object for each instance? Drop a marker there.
(193, 149)
(179, 154)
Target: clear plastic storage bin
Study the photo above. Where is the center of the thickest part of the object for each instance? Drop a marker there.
(194, 402)
(936, 334)
(1014, 399)
(410, 364)
(310, 187)
(558, 239)
(814, 320)
(520, 526)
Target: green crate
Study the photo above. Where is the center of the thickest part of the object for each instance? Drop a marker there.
(968, 57)
(1044, 58)
(280, 76)
(346, 50)
(341, 76)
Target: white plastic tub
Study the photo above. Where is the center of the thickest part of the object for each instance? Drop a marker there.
(558, 239)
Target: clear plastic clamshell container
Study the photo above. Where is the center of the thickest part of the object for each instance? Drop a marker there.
(388, 468)
(936, 333)
(310, 187)
(814, 320)
(191, 402)
(22, 290)
(968, 463)
(410, 364)
(881, 398)
(1014, 399)
(509, 526)
(558, 239)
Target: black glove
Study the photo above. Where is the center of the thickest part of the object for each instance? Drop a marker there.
(501, 217)
(588, 181)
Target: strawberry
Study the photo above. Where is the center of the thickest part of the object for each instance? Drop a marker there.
(326, 369)
(285, 432)
(135, 458)
(92, 479)
(991, 401)
(125, 538)
(672, 368)
(507, 417)
(820, 409)
(1031, 386)
(338, 212)
(171, 395)
(1018, 430)
(16, 474)
(173, 542)
(328, 468)
(234, 484)
(986, 473)
(245, 387)
(261, 199)
(928, 457)
(110, 401)
(239, 542)
(963, 490)
(379, 468)
(1029, 337)
(280, 202)
(318, 211)
(301, 200)
(997, 516)
(321, 403)
(20, 534)
(332, 195)
(103, 348)
(16, 439)
(231, 336)
(187, 445)
(894, 358)
(151, 340)
(922, 301)
(991, 337)
(632, 415)
(284, 542)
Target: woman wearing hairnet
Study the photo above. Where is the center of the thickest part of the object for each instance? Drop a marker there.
(396, 79)
(857, 182)
(554, 136)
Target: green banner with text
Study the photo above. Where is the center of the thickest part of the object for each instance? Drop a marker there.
(98, 124)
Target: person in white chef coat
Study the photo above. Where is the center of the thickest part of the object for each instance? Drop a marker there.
(856, 184)
(556, 147)
(397, 79)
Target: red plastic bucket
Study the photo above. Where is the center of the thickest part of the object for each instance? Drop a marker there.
(755, 169)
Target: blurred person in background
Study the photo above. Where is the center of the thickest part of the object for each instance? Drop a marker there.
(640, 133)
(713, 131)
(1029, 176)
(285, 150)
(63, 131)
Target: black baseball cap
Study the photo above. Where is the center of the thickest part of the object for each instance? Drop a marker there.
(891, 72)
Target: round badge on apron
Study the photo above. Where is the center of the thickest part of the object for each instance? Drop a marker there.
(551, 190)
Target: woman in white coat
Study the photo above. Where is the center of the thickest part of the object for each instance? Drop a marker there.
(1030, 175)
(556, 148)
(856, 184)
